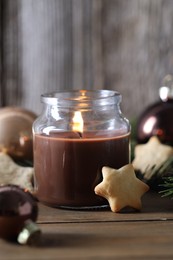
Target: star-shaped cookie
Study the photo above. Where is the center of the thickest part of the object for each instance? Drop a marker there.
(11, 173)
(121, 188)
(151, 154)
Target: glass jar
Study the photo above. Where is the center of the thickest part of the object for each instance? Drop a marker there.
(77, 134)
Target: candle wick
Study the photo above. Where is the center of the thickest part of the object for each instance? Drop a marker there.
(80, 134)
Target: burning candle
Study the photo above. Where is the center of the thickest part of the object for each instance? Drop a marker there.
(77, 125)
(77, 134)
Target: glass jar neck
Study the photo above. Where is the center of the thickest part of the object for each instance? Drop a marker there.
(82, 99)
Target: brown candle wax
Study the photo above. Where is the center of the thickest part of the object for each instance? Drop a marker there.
(68, 166)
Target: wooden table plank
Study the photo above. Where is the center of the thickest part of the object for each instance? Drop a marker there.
(152, 203)
(125, 240)
(74, 234)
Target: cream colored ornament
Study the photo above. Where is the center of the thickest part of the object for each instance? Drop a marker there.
(16, 132)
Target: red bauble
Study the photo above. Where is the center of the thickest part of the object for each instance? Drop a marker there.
(157, 120)
(16, 206)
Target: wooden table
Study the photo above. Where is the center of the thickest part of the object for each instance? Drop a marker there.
(101, 234)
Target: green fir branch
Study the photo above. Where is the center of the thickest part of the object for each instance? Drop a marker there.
(161, 170)
(168, 185)
(161, 177)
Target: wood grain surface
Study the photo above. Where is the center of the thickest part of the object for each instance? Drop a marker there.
(79, 234)
(124, 45)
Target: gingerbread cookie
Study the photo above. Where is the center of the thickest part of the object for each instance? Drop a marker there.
(121, 188)
(151, 155)
(11, 173)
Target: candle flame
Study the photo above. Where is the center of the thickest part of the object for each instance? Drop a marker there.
(77, 122)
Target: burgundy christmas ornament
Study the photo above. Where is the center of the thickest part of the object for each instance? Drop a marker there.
(157, 119)
(18, 213)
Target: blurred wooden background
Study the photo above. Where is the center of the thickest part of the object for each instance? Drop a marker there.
(48, 45)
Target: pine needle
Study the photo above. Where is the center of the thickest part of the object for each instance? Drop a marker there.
(163, 168)
(163, 172)
(168, 184)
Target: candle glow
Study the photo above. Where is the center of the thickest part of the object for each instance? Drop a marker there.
(77, 122)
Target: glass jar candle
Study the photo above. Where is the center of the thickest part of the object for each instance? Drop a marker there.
(77, 134)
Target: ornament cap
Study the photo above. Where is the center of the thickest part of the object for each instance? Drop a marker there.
(30, 233)
(166, 91)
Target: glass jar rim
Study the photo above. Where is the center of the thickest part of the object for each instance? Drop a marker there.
(82, 98)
